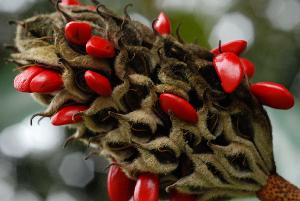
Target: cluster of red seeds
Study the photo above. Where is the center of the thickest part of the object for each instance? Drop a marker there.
(230, 68)
(36, 79)
(120, 188)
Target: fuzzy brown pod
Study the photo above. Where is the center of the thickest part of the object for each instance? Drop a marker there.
(227, 153)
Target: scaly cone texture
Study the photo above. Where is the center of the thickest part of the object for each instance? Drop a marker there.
(164, 111)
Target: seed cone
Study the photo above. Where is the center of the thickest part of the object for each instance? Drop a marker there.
(227, 153)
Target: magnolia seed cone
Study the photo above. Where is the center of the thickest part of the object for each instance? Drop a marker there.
(227, 153)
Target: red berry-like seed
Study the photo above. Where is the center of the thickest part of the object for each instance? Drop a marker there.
(66, 115)
(78, 33)
(98, 83)
(236, 47)
(273, 95)
(70, 2)
(248, 67)
(119, 186)
(45, 82)
(100, 47)
(229, 70)
(22, 80)
(146, 188)
(162, 24)
(181, 108)
(175, 196)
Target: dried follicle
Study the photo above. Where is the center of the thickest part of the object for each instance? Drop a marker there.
(161, 110)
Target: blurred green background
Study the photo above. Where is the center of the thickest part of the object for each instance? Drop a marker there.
(33, 164)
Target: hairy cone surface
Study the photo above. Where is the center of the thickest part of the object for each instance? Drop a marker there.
(226, 153)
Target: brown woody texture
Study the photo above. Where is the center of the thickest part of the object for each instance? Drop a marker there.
(278, 189)
(227, 153)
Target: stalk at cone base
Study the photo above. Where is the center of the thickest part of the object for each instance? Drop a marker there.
(278, 189)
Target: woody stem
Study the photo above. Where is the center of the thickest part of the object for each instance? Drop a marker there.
(278, 189)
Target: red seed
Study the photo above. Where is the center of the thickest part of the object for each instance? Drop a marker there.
(78, 33)
(146, 188)
(70, 2)
(229, 70)
(273, 95)
(236, 47)
(175, 196)
(98, 83)
(248, 67)
(66, 115)
(181, 108)
(45, 82)
(162, 24)
(22, 81)
(119, 186)
(100, 47)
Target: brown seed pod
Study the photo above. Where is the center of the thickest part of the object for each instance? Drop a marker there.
(227, 153)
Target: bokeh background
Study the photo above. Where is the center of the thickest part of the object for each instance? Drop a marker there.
(35, 167)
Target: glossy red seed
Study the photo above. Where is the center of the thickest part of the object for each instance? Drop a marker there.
(100, 47)
(229, 70)
(119, 186)
(78, 33)
(66, 115)
(98, 83)
(46, 81)
(181, 108)
(70, 2)
(273, 95)
(175, 196)
(236, 47)
(146, 188)
(248, 67)
(22, 80)
(162, 24)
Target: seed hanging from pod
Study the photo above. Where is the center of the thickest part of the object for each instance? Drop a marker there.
(78, 33)
(162, 24)
(67, 115)
(236, 47)
(38, 80)
(70, 2)
(146, 188)
(119, 186)
(229, 70)
(248, 67)
(98, 83)
(273, 94)
(100, 47)
(45, 82)
(181, 108)
(22, 80)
